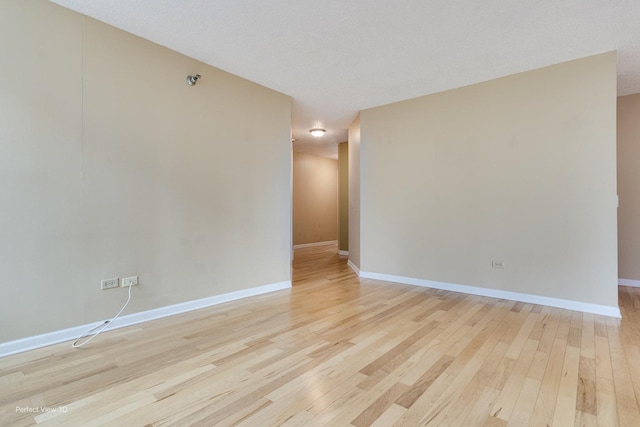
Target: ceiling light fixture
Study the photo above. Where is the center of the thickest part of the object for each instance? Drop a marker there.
(191, 80)
(317, 132)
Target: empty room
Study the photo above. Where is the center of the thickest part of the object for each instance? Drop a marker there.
(298, 213)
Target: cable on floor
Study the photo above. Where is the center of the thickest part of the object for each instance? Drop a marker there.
(95, 331)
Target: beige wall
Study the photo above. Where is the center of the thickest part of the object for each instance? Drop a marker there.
(629, 187)
(354, 192)
(520, 169)
(112, 166)
(343, 196)
(315, 199)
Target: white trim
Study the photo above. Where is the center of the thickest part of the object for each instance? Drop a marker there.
(344, 253)
(585, 307)
(629, 282)
(353, 267)
(37, 341)
(308, 245)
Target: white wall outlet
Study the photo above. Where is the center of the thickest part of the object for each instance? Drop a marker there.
(496, 263)
(109, 283)
(129, 281)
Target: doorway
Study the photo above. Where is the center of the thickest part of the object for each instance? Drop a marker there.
(320, 200)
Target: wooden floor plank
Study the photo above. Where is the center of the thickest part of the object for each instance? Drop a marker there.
(505, 404)
(565, 411)
(587, 400)
(626, 402)
(389, 417)
(547, 396)
(521, 414)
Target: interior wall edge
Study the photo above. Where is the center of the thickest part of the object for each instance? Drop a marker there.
(584, 307)
(37, 341)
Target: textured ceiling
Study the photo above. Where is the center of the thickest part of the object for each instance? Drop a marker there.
(336, 57)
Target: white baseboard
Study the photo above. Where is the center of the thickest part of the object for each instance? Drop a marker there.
(309, 245)
(629, 282)
(353, 267)
(37, 341)
(585, 307)
(343, 253)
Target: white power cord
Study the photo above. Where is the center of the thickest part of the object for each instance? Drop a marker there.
(95, 331)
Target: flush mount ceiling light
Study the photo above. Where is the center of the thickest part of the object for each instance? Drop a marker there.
(191, 80)
(317, 132)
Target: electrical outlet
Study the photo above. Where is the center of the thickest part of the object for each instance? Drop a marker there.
(109, 283)
(496, 263)
(129, 281)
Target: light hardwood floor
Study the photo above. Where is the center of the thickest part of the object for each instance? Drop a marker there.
(336, 350)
